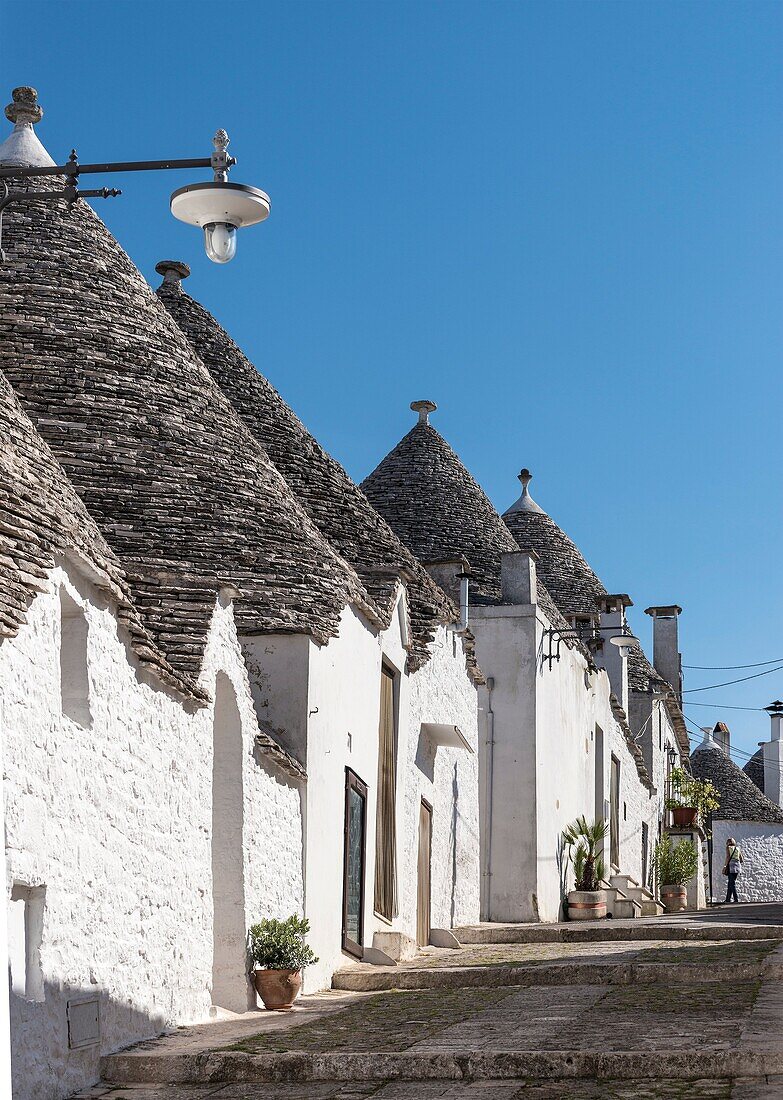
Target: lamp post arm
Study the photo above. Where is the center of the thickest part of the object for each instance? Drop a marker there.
(73, 168)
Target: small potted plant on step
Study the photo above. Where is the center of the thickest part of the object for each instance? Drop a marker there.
(279, 951)
(675, 865)
(587, 901)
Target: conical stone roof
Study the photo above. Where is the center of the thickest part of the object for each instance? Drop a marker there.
(572, 583)
(740, 798)
(42, 519)
(335, 504)
(177, 484)
(429, 499)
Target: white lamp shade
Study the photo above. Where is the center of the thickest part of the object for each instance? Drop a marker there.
(209, 203)
(624, 641)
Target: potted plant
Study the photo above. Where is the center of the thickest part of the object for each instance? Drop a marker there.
(675, 865)
(690, 800)
(587, 901)
(279, 951)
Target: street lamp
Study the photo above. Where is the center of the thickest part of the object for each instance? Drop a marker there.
(218, 207)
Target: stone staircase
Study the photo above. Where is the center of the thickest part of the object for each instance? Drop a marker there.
(628, 889)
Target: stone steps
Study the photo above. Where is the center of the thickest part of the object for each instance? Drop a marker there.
(614, 931)
(377, 979)
(226, 1067)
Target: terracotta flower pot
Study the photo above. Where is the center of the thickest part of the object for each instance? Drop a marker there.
(278, 989)
(684, 816)
(586, 905)
(674, 898)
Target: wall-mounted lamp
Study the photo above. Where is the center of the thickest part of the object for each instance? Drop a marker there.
(218, 207)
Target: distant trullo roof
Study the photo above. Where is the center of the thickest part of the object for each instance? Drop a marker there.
(335, 504)
(431, 501)
(41, 519)
(182, 492)
(574, 586)
(740, 798)
(439, 510)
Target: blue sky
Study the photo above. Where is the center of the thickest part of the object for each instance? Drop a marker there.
(561, 221)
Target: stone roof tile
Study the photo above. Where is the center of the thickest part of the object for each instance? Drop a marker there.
(181, 490)
(740, 798)
(572, 583)
(335, 504)
(42, 519)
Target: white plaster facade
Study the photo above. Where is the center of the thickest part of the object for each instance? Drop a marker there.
(149, 833)
(324, 703)
(547, 751)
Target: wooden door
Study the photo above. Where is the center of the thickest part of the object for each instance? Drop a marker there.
(354, 863)
(425, 856)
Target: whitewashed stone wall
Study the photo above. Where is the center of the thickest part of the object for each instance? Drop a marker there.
(761, 878)
(114, 821)
(554, 735)
(326, 701)
(448, 779)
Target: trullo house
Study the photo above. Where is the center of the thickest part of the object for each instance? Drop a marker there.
(210, 647)
(571, 723)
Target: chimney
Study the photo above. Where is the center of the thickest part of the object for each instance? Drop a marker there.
(721, 735)
(773, 755)
(518, 584)
(612, 658)
(666, 645)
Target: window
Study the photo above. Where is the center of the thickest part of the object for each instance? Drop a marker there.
(614, 815)
(386, 811)
(74, 679)
(25, 929)
(354, 860)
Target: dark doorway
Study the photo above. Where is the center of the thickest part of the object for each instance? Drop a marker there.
(424, 886)
(614, 815)
(354, 863)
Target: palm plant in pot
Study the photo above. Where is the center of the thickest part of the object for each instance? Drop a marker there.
(280, 953)
(675, 865)
(587, 901)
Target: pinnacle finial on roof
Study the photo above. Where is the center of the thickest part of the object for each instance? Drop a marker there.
(22, 148)
(525, 502)
(424, 408)
(25, 106)
(173, 271)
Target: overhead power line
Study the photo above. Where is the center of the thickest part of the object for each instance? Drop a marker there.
(722, 706)
(731, 668)
(741, 680)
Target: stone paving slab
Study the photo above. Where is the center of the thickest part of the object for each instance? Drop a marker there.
(685, 1032)
(571, 964)
(759, 1088)
(643, 928)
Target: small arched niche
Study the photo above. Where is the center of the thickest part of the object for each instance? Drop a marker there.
(230, 987)
(74, 675)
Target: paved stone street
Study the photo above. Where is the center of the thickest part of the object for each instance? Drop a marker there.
(686, 1008)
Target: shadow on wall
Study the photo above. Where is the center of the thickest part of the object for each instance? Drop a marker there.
(45, 1063)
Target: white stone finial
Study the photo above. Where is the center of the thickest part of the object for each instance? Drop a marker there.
(424, 408)
(22, 148)
(525, 502)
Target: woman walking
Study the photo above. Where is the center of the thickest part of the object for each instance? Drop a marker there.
(732, 869)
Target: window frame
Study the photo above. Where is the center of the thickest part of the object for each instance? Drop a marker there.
(353, 782)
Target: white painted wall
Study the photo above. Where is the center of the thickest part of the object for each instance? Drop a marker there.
(762, 853)
(340, 713)
(115, 821)
(545, 760)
